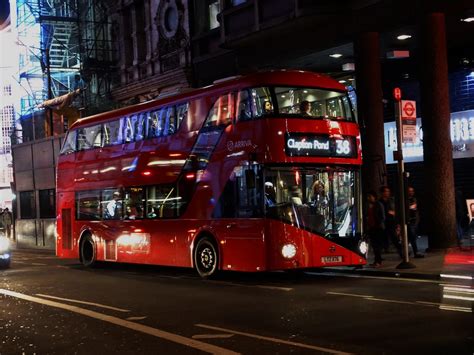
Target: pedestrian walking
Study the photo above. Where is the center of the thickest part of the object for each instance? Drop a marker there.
(2, 227)
(375, 222)
(412, 222)
(7, 221)
(390, 220)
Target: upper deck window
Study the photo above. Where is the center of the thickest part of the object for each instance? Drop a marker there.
(222, 112)
(254, 103)
(69, 145)
(89, 137)
(313, 103)
(113, 132)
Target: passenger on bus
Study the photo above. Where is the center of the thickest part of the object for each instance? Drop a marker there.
(114, 207)
(268, 108)
(305, 108)
(270, 199)
(152, 213)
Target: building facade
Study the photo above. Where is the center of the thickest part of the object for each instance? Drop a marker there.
(78, 58)
(7, 115)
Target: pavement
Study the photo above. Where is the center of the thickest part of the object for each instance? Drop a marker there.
(435, 265)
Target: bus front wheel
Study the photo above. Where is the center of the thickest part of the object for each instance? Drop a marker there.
(206, 258)
(87, 251)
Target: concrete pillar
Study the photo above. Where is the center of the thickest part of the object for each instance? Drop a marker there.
(438, 156)
(370, 109)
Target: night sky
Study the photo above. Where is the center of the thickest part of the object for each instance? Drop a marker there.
(4, 10)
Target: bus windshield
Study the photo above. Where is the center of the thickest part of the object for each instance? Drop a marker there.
(321, 201)
(313, 103)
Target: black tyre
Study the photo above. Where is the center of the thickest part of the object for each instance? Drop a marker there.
(4, 264)
(206, 258)
(87, 250)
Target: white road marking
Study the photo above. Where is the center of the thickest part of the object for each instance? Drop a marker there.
(355, 276)
(136, 318)
(275, 288)
(400, 302)
(212, 336)
(462, 298)
(431, 303)
(18, 262)
(84, 302)
(460, 277)
(225, 283)
(349, 294)
(175, 338)
(455, 308)
(273, 340)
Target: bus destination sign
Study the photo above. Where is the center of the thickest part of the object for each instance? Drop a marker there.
(303, 144)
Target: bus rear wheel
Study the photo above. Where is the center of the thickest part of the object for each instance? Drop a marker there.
(206, 258)
(87, 251)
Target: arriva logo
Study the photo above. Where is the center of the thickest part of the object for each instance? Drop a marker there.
(238, 144)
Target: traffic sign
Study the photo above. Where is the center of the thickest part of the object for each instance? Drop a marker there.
(408, 110)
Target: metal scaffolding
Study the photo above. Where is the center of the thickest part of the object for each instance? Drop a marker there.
(64, 45)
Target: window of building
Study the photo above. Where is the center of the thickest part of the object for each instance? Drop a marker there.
(88, 205)
(27, 205)
(7, 90)
(47, 203)
(113, 132)
(214, 8)
(89, 137)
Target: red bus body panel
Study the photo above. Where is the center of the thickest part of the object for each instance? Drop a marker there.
(244, 244)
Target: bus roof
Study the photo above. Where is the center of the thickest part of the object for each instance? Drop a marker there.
(295, 78)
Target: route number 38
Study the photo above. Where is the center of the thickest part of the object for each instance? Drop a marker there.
(343, 147)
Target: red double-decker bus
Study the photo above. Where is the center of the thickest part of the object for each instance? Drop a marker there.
(253, 173)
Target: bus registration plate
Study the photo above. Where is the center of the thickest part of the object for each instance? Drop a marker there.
(331, 259)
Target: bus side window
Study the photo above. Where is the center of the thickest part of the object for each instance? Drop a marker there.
(170, 121)
(261, 102)
(222, 111)
(161, 202)
(134, 198)
(182, 114)
(244, 110)
(89, 137)
(140, 126)
(112, 132)
(88, 205)
(69, 145)
(161, 122)
(152, 125)
(128, 132)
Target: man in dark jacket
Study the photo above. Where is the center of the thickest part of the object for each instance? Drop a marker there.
(390, 220)
(413, 219)
(375, 223)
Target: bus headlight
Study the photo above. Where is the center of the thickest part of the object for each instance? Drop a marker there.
(4, 245)
(363, 247)
(288, 251)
